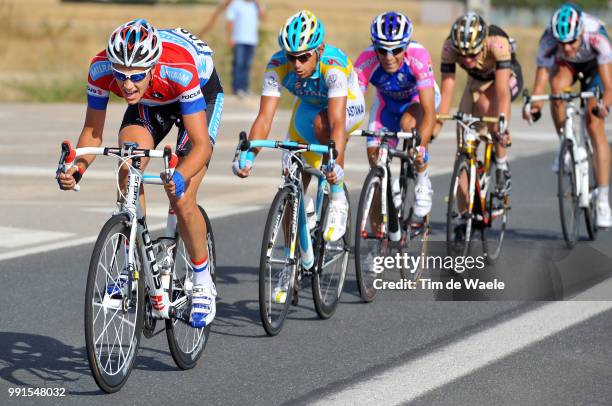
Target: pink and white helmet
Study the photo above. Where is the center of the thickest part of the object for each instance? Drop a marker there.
(134, 44)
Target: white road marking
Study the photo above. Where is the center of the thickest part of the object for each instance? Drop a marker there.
(417, 377)
(214, 213)
(13, 237)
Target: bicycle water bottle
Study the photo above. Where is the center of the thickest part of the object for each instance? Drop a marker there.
(583, 176)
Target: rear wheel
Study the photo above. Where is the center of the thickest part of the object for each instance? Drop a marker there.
(276, 270)
(569, 209)
(369, 241)
(459, 221)
(331, 265)
(114, 306)
(187, 343)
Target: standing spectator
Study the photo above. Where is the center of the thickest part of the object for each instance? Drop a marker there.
(242, 25)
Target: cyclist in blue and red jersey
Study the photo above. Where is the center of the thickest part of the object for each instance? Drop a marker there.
(167, 77)
(577, 43)
(406, 93)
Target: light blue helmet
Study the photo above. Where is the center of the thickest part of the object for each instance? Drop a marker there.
(567, 23)
(301, 32)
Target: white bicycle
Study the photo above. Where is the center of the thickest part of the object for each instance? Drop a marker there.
(576, 173)
(133, 281)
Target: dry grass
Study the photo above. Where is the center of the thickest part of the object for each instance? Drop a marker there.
(47, 45)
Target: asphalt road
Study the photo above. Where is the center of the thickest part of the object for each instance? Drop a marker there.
(406, 347)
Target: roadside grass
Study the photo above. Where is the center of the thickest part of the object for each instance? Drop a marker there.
(48, 44)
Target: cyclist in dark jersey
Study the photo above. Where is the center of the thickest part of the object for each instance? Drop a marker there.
(166, 77)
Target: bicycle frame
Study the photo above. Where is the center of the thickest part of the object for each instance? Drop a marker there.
(293, 179)
(130, 206)
(468, 141)
(579, 146)
(385, 154)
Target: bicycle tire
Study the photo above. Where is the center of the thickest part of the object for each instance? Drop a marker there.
(459, 227)
(415, 241)
(365, 277)
(327, 285)
(569, 208)
(111, 241)
(496, 210)
(590, 213)
(178, 332)
(272, 316)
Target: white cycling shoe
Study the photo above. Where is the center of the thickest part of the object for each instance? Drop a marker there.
(335, 225)
(604, 215)
(203, 305)
(279, 293)
(423, 198)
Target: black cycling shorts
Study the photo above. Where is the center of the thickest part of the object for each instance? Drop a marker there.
(160, 119)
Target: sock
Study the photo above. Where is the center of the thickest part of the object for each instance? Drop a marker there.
(423, 176)
(337, 191)
(602, 193)
(502, 163)
(201, 273)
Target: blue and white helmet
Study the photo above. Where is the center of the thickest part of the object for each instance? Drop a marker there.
(567, 23)
(301, 32)
(391, 30)
(134, 44)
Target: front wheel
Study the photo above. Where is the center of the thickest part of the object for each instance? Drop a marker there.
(569, 208)
(331, 264)
(114, 306)
(496, 218)
(187, 343)
(276, 268)
(459, 219)
(369, 241)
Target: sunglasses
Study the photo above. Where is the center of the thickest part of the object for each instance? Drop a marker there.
(394, 51)
(303, 58)
(134, 77)
(569, 42)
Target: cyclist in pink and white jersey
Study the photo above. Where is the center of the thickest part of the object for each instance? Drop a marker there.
(167, 77)
(407, 95)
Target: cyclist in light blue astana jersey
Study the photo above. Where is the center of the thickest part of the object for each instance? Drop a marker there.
(577, 43)
(328, 103)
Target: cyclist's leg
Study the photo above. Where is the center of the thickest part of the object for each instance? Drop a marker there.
(466, 105)
(380, 117)
(141, 126)
(562, 78)
(597, 133)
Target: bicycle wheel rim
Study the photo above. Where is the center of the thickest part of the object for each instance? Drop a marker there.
(113, 323)
(273, 260)
(187, 343)
(332, 263)
(459, 225)
(496, 213)
(367, 247)
(569, 209)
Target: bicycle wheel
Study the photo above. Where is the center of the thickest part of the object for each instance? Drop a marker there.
(369, 243)
(459, 224)
(590, 213)
(496, 213)
(114, 306)
(569, 209)
(186, 343)
(331, 264)
(274, 264)
(415, 242)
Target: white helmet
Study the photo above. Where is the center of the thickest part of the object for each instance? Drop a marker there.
(134, 44)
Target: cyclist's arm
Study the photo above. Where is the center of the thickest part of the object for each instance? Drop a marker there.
(201, 148)
(502, 90)
(336, 115)
(426, 126)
